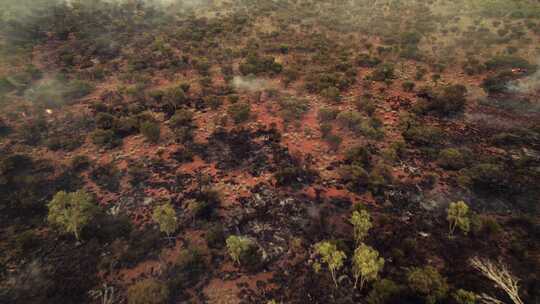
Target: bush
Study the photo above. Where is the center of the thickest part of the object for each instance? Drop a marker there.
(242, 249)
(383, 72)
(151, 131)
(424, 135)
(451, 159)
(408, 86)
(428, 283)
(350, 120)
(239, 112)
(509, 62)
(449, 101)
(292, 109)
(355, 177)
(104, 120)
(384, 291)
(254, 64)
(190, 265)
(215, 236)
(181, 118)
(80, 162)
(488, 176)
(327, 114)
(149, 291)
(105, 138)
(332, 94)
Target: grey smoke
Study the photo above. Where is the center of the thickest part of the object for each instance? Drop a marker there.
(252, 84)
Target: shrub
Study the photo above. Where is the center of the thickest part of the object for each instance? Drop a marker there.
(215, 236)
(190, 265)
(366, 105)
(105, 138)
(428, 283)
(509, 62)
(255, 64)
(383, 72)
(488, 176)
(464, 297)
(239, 112)
(149, 291)
(384, 291)
(151, 131)
(126, 126)
(326, 129)
(334, 141)
(80, 162)
(292, 109)
(408, 86)
(354, 176)
(350, 120)
(327, 114)
(104, 120)
(450, 100)
(332, 94)
(451, 159)
(181, 118)
(424, 135)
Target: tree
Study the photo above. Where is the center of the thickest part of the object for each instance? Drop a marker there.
(499, 274)
(361, 221)
(366, 264)
(457, 216)
(331, 256)
(238, 246)
(429, 283)
(71, 211)
(148, 291)
(165, 216)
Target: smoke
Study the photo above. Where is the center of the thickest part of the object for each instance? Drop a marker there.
(527, 85)
(252, 84)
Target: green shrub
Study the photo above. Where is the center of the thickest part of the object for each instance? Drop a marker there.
(383, 72)
(424, 135)
(239, 112)
(408, 86)
(332, 94)
(292, 109)
(428, 283)
(215, 236)
(384, 291)
(451, 159)
(148, 291)
(105, 138)
(151, 131)
(327, 114)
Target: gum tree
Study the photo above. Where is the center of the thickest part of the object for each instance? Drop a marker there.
(331, 256)
(458, 216)
(71, 211)
(237, 246)
(166, 218)
(361, 221)
(366, 264)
